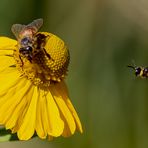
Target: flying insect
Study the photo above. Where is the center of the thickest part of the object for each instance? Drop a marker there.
(140, 71)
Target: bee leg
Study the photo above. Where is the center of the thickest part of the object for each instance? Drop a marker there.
(8, 55)
(29, 58)
(21, 61)
(12, 66)
(48, 55)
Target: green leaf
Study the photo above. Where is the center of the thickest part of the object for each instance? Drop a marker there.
(6, 135)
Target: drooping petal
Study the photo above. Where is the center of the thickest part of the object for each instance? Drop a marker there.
(27, 127)
(41, 118)
(62, 89)
(7, 44)
(67, 131)
(54, 125)
(9, 80)
(24, 108)
(66, 114)
(44, 114)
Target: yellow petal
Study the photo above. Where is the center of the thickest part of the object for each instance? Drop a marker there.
(67, 131)
(18, 102)
(8, 80)
(75, 115)
(40, 119)
(7, 43)
(64, 109)
(8, 102)
(7, 46)
(64, 92)
(44, 114)
(4, 52)
(55, 123)
(24, 109)
(51, 116)
(6, 62)
(27, 128)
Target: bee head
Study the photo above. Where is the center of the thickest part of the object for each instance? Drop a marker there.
(26, 41)
(26, 48)
(137, 70)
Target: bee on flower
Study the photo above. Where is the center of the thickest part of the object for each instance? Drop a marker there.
(33, 95)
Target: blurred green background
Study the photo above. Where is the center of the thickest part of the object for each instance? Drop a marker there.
(103, 37)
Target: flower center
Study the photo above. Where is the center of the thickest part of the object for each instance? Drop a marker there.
(46, 62)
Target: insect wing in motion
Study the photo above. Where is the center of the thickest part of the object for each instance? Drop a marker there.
(18, 28)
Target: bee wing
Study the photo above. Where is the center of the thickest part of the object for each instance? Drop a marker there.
(16, 29)
(36, 24)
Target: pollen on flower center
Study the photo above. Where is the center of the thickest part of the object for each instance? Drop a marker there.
(46, 63)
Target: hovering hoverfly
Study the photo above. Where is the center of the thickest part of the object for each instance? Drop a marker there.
(140, 71)
(25, 36)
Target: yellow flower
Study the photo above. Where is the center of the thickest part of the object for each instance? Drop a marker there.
(33, 94)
